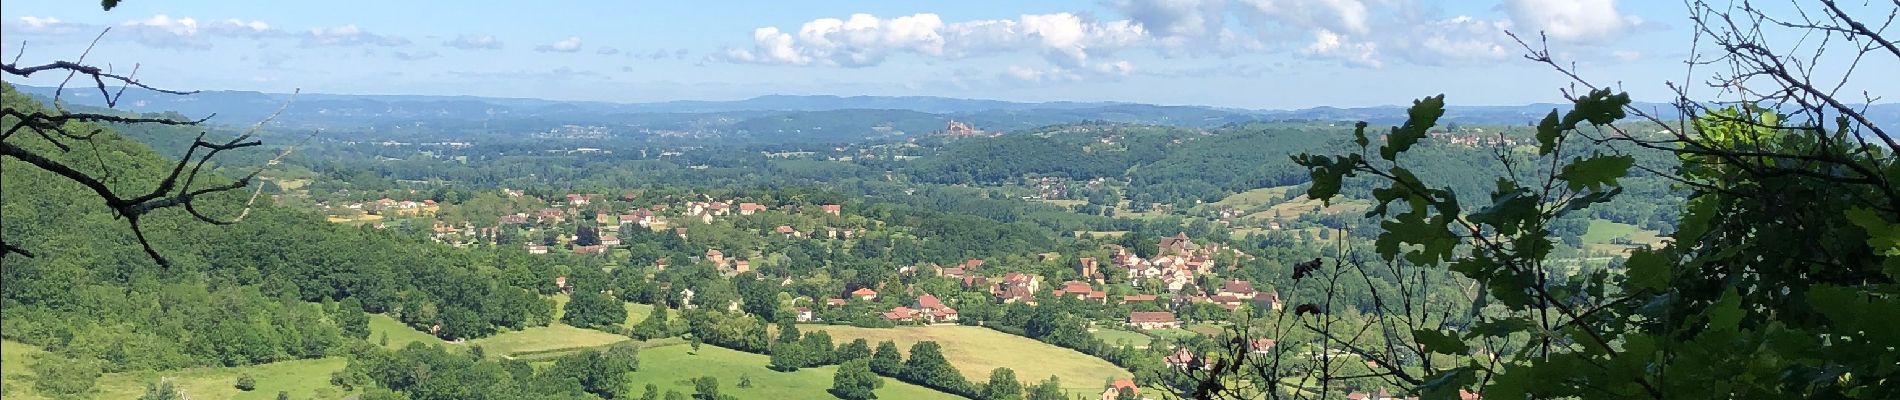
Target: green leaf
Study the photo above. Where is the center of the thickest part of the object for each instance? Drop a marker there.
(1599, 107)
(1647, 270)
(1445, 385)
(1328, 173)
(1501, 327)
(1419, 119)
(1547, 131)
(1726, 314)
(1508, 211)
(1359, 134)
(1440, 342)
(1882, 236)
(1597, 171)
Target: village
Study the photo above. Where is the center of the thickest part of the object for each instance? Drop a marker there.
(1185, 284)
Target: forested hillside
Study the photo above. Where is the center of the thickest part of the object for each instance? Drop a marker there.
(281, 285)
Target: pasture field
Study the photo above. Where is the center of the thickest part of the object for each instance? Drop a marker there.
(542, 339)
(400, 335)
(975, 351)
(302, 379)
(673, 367)
(1117, 337)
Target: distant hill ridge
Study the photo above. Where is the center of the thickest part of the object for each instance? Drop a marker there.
(241, 107)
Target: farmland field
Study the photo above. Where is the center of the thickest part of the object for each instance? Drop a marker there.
(399, 334)
(673, 368)
(541, 339)
(975, 351)
(1604, 235)
(1117, 337)
(302, 379)
(1254, 197)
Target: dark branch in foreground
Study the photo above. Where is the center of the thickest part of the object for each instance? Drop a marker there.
(181, 187)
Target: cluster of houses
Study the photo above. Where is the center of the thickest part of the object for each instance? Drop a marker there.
(959, 129)
(1179, 261)
(1472, 140)
(389, 207)
(650, 217)
(926, 309)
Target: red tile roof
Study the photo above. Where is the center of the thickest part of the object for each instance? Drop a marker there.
(1150, 316)
(1124, 383)
(928, 301)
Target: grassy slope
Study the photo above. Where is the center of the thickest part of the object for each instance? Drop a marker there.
(637, 312)
(1254, 197)
(1117, 337)
(545, 339)
(399, 334)
(976, 351)
(303, 379)
(15, 357)
(1602, 232)
(673, 367)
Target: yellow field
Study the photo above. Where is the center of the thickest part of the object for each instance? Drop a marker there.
(359, 219)
(975, 351)
(673, 367)
(556, 337)
(1254, 197)
(291, 184)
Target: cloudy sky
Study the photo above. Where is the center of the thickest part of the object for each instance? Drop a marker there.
(1232, 53)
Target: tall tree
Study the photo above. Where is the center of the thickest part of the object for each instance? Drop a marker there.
(927, 366)
(858, 348)
(887, 361)
(818, 348)
(1050, 389)
(706, 388)
(855, 381)
(1003, 386)
(594, 310)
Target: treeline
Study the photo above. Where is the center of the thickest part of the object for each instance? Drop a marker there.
(1004, 158)
(1161, 165)
(431, 372)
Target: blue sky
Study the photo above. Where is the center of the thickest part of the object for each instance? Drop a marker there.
(1231, 53)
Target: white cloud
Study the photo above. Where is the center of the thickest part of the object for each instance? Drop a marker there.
(349, 35)
(1361, 33)
(1344, 16)
(607, 51)
(43, 26)
(1191, 18)
(1581, 21)
(414, 56)
(33, 22)
(474, 42)
(1462, 38)
(569, 45)
(861, 40)
(166, 31)
(1040, 75)
(1329, 44)
(185, 32)
(1068, 40)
